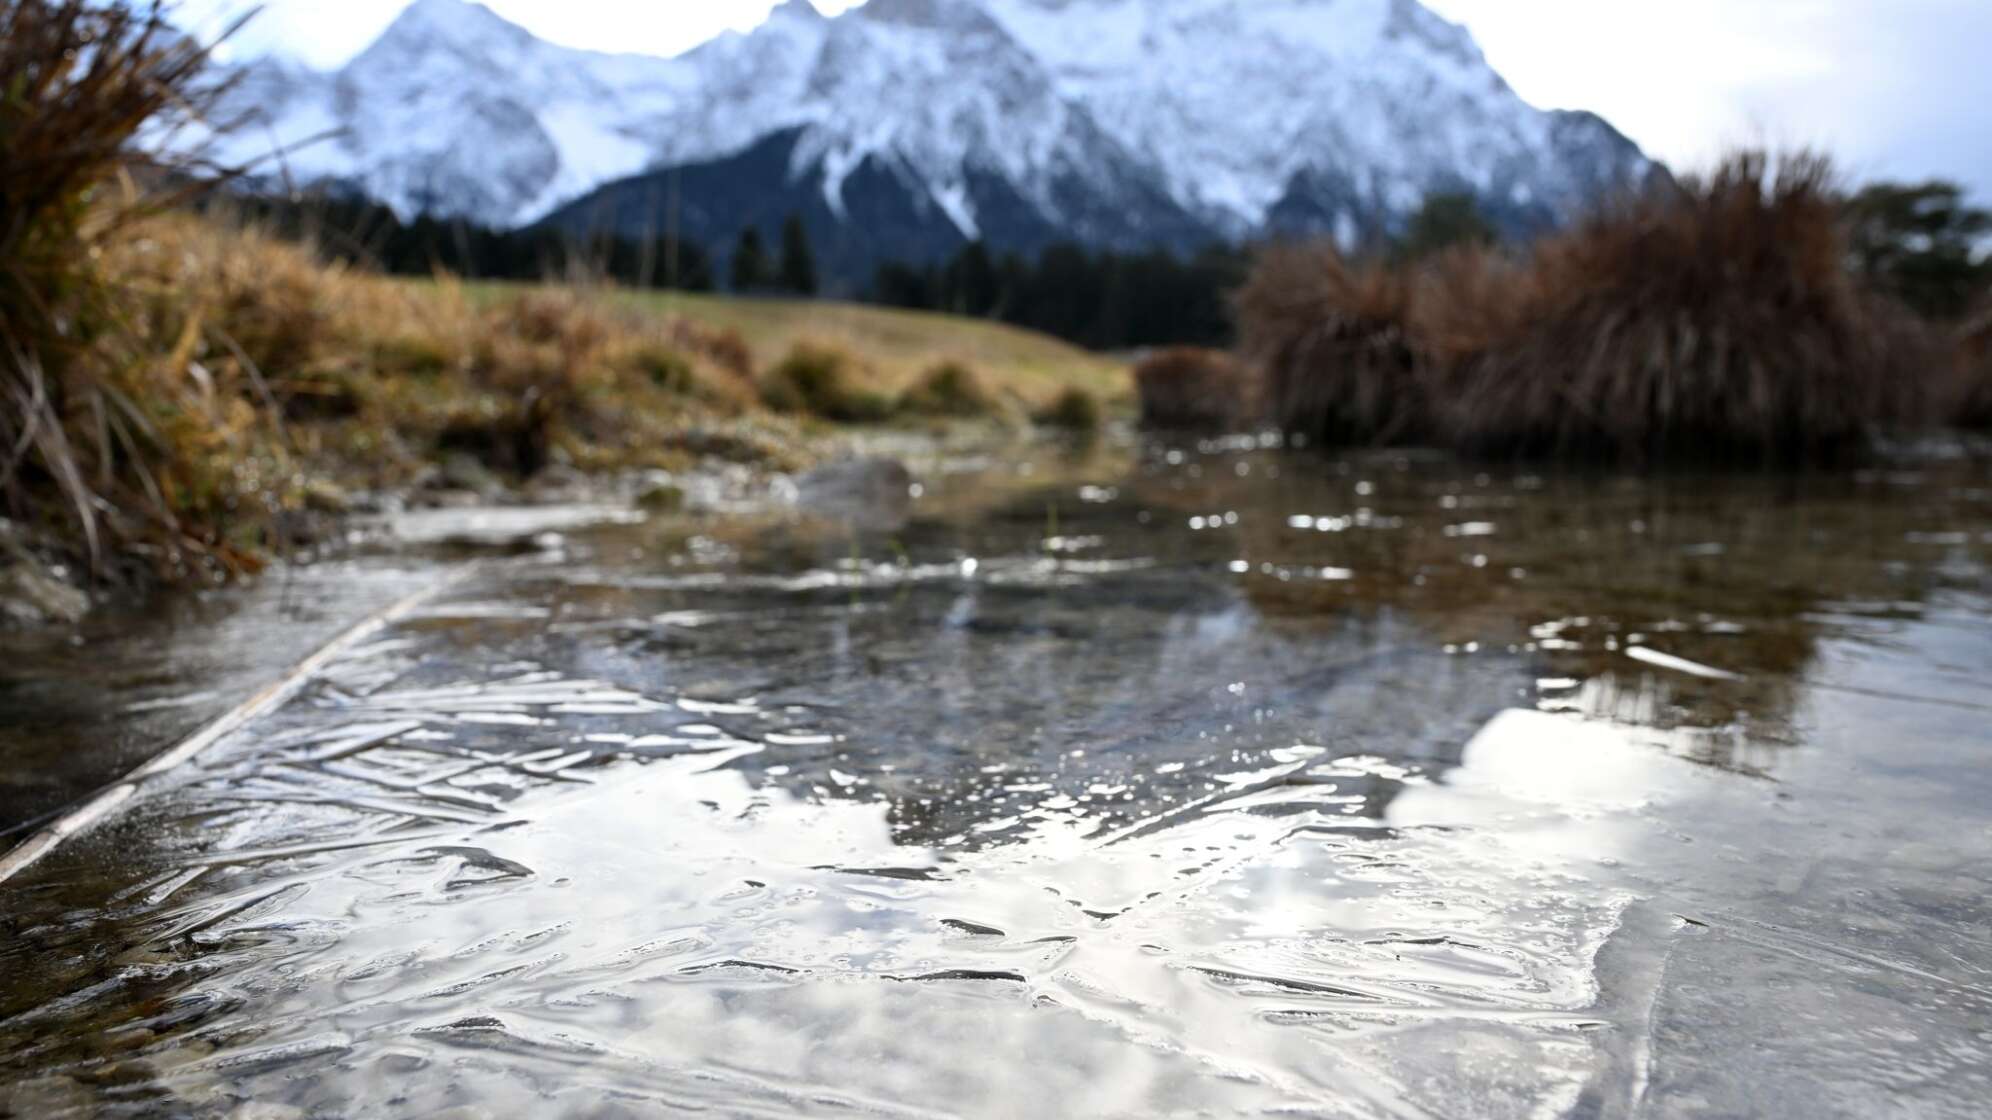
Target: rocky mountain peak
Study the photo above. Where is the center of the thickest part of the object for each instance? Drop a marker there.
(1118, 123)
(457, 23)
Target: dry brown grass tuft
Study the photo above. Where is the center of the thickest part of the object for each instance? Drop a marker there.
(265, 368)
(950, 390)
(1187, 388)
(532, 371)
(725, 347)
(824, 381)
(1715, 323)
(81, 80)
(1074, 411)
(1331, 341)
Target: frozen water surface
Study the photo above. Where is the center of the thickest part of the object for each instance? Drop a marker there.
(1222, 782)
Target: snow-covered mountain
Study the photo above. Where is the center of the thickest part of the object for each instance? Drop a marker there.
(905, 127)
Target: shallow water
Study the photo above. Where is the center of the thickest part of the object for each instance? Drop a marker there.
(1208, 780)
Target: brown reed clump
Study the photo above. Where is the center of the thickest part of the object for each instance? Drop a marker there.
(1717, 323)
(1714, 322)
(1466, 301)
(1187, 388)
(1331, 340)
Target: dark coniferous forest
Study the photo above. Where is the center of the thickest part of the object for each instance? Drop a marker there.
(1102, 299)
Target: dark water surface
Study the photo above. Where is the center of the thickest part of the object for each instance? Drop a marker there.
(1219, 781)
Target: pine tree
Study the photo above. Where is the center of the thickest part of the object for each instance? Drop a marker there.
(750, 262)
(1446, 219)
(1920, 243)
(971, 281)
(798, 269)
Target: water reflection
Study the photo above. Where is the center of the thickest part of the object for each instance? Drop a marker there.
(1221, 781)
(1688, 604)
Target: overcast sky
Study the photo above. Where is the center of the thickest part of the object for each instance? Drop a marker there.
(1897, 88)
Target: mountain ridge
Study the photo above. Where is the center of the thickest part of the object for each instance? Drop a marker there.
(1121, 124)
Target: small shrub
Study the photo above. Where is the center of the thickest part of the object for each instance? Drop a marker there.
(666, 368)
(1073, 410)
(950, 390)
(863, 406)
(729, 351)
(1333, 345)
(722, 346)
(817, 380)
(807, 376)
(559, 318)
(1192, 389)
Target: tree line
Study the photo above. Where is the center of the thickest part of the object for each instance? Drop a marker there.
(365, 233)
(1102, 299)
(752, 271)
(358, 231)
(1919, 242)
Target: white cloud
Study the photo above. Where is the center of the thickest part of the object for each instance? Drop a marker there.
(1889, 86)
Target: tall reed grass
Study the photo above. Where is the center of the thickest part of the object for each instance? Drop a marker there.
(82, 438)
(1715, 321)
(1332, 339)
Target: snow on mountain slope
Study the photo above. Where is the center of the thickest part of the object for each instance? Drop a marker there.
(1107, 121)
(456, 111)
(1234, 100)
(734, 90)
